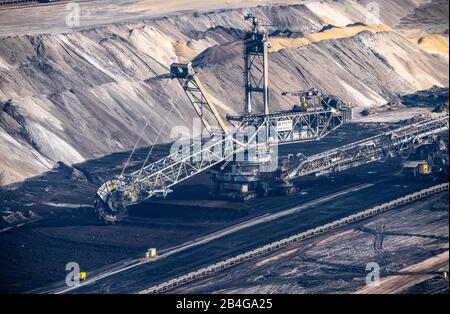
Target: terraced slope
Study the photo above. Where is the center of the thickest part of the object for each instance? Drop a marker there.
(85, 93)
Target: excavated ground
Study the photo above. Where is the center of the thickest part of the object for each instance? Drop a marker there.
(404, 242)
(81, 93)
(59, 224)
(73, 102)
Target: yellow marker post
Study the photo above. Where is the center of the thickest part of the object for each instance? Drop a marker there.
(151, 253)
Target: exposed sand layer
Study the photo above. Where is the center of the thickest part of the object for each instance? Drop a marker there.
(432, 43)
(184, 52)
(278, 43)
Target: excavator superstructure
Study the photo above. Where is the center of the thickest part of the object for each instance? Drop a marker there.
(241, 152)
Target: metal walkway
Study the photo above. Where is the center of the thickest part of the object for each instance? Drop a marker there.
(388, 144)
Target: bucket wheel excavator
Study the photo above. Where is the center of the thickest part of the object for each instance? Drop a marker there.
(242, 152)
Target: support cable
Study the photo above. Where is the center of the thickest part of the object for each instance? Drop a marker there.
(172, 107)
(140, 135)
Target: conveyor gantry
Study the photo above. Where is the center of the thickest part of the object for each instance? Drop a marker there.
(388, 144)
